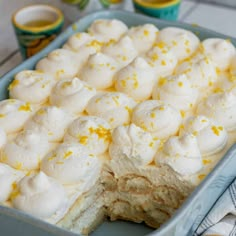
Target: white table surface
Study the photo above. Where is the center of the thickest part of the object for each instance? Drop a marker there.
(221, 19)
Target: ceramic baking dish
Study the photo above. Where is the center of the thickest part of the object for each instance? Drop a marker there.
(187, 218)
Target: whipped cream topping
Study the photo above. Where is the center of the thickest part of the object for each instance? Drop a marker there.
(39, 195)
(201, 71)
(225, 83)
(114, 107)
(60, 63)
(31, 86)
(13, 114)
(71, 95)
(92, 132)
(221, 108)
(211, 137)
(8, 178)
(50, 120)
(99, 71)
(177, 91)
(143, 36)
(159, 119)
(3, 138)
(122, 51)
(182, 42)
(76, 41)
(105, 30)
(26, 151)
(133, 143)
(72, 163)
(162, 59)
(181, 154)
(221, 51)
(136, 80)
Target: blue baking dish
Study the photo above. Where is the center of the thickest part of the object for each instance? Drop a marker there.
(187, 218)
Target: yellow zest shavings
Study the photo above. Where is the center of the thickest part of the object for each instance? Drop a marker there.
(154, 57)
(109, 43)
(146, 32)
(59, 73)
(180, 84)
(2, 115)
(116, 100)
(216, 130)
(218, 70)
(66, 84)
(153, 115)
(206, 161)
(15, 191)
(51, 158)
(83, 140)
(59, 162)
(218, 90)
(128, 109)
(13, 84)
(67, 154)
(203, 121)
(210, 83)
(201, 177)
(151, 144)
(95, 44)
(161, 108)
(162, 81)
(101, 132)
(195, 133)
(91, 155)
(111, 120)
(188, 50)
(163, 63)
(123, 83)
(18, 165)
(186, 42)
(182, 113)
(25, 107)
(160, 45)
(174, 43)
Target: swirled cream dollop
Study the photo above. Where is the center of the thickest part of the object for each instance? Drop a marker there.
(50, 120)
(26, 151)
(60, 63)
(39, 195)
(201, 71)
(182, 42)
(31, 86)
(221, 107)
(136, 80)
(162, 59)
(99, 71)
(72, 95)
(92, 132)
(211, 137)
(72, 163)
(77, 40)
(122, 51)
(159, 119)
(177, 91)
(221, 51)
(8, 179)
(105, 30)
(13, 114)
(133, 143)
(114, 107)
(143, 36)
(181, 154)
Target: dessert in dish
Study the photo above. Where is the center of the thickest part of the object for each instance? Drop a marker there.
(130, 123)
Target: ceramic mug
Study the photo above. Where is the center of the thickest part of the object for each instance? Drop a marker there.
(36, 26)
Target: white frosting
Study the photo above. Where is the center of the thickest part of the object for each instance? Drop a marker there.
(8, 178)
(143, 36)
(181, 154)
(161, 59)
(3, 138)
(72, 164)
(211, 137)
(177, 91)
(221, 51)
(133, 143)
(76, 41)
(61, 63)
(157, 118)
(182, 42)
(122, 51)
(115, 107)
(105, 30)
(99, 71)
(39, 195)
(92, 132)
(52, 121)
(72, 95)
(13, 114)
(221, 107)
(31, 86)
(26, 151)
(136, 80)
(201, 71)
